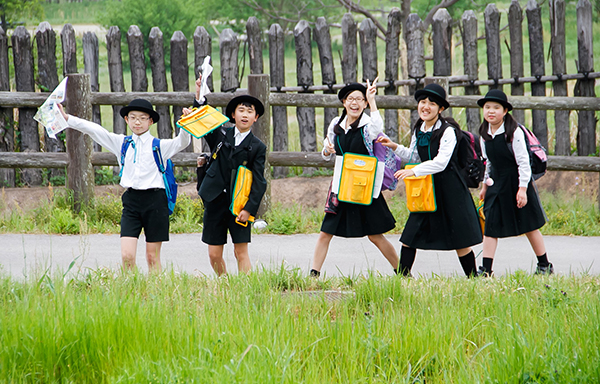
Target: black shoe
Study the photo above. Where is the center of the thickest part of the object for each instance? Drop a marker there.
(544, 269)
(314, 273)
(482, 272)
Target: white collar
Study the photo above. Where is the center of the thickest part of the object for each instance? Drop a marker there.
(435, 126)
(499, 131)
(364, 120)
(143, 137)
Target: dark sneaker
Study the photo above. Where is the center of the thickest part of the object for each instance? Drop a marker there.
(544, 270)
(314, 273)
(482, 272)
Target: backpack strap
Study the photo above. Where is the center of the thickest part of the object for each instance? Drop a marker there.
(160, 164)
(128, 140)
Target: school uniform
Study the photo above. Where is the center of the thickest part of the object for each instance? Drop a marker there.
(509, 171)
(454, 225)
(236, 149)
(355, 220)
(144, 201)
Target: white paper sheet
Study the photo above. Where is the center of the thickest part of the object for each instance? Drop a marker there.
(48, 113)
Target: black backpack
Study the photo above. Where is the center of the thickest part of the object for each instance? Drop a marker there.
(471, 164)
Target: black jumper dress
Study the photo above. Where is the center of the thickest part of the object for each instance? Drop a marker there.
(502, 217)
(355, 220)
(455, 224)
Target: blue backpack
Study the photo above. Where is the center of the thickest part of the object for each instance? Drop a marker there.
(167, 172)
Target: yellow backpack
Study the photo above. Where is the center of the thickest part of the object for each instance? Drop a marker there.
(420, 192)
(357, 180)
(241, 192)
(202, 121)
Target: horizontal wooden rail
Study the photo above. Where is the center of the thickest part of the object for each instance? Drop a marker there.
(283, 159)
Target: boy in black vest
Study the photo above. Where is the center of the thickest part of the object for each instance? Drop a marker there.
(145, 201)
(232, 147)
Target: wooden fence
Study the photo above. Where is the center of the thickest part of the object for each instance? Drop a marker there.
(302, 95)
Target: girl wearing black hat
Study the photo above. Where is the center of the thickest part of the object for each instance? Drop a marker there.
(454, 225)
(350, 133)
(512, 206)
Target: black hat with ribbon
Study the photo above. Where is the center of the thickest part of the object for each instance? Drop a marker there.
(232, 105)
(435, 93)
(141, 105)
(496, 96)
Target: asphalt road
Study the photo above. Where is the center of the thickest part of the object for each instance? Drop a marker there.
(32, 255)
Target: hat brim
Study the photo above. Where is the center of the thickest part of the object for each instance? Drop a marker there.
(433, 96)
(505, 104)
(153, 114)
(233, 103)
(348, 89)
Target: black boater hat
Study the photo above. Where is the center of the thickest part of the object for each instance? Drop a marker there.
(435, 93)
(232, 105)
(351, 88)
(496, 96)
(141, 105)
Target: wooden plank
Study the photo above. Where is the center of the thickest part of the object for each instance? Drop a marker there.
(442, 48)
(367, 33)
(304, 75)
(586, 134)
(258, 86)
(323, 38)
(416, 58)
(492, 41)
(202, 48)
(24, 81)
(558, 47)
(115, 75)
(515, 27)
(7, 132)
(91, 58)
(69, 49)
(471, 64)
(277, 71)
(137, 59)
(538, 68)
(349, 49)
(180, 75)
(229, 47)
(392, 57)
(254, 45)
(79, 145)
(159, 80)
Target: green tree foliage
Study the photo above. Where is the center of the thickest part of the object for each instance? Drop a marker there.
(12, 11)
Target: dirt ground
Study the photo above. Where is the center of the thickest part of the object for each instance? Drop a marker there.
(307, 192)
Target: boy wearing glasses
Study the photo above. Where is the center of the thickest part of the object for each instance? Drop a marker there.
(144, 201)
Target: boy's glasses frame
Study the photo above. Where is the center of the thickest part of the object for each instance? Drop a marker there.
(141, 119)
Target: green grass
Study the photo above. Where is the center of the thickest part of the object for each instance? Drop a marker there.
(106, 327)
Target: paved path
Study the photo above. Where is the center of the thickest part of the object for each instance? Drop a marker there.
(22, 255)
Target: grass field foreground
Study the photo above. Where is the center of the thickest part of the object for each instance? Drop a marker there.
(106, 327)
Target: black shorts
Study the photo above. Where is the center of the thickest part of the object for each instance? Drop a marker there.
(145, 209)
(218, 219)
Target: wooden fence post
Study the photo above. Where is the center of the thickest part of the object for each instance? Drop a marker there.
(24, 79)
(229, 47)
(258, 86)
(254, 45)
(323, 38)
(69, 49)
(586, 134)
(558, 46)
(492, 41)
(7, 141)
(137, 61)
(442, 47)
(90, 65)
(392, 57)
(45, 39)
(471, 63)
(349, 49)
(79, 145)
(368, 49)
(538, 68)
(180, 75)
(515, 27)
(277, 69)
(115, 75)
(415, 57)
(159, 80)
(304, 74)
(202, 48)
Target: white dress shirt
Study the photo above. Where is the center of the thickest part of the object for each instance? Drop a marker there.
(375, 128)
(140, 170)
(239, 136)
(519, 151)
(439, 162)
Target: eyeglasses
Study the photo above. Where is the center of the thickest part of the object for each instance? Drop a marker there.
(353, 99)
(141, 119)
